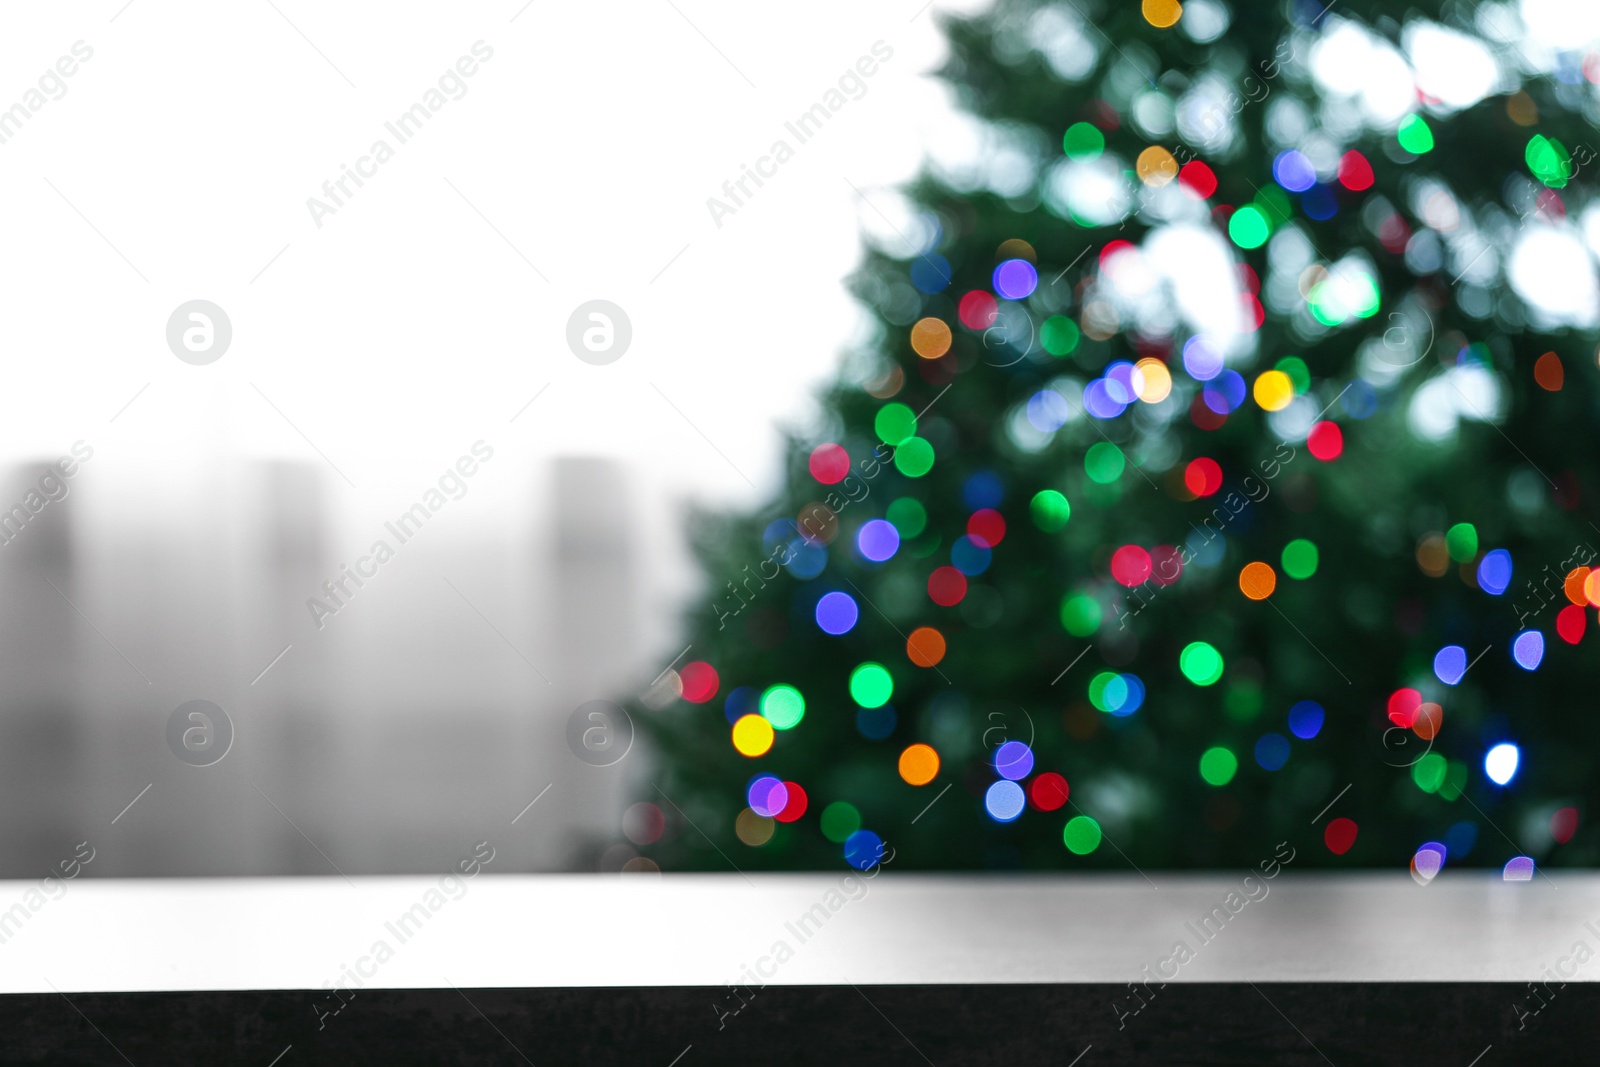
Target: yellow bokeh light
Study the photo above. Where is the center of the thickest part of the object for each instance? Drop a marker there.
(752, 736)
(1162, 13)
(1156, 166)
(1154, 380)
(919, 764)
(1016, 248)
(930, 338)
(754, 830)
(1273, 390)
(1591, 588)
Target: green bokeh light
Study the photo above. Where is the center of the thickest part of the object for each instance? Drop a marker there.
(1083, 141)
(870, 685)
(1104, 462)
(1108, 691)
(1200, 663)
(1050, 510)
(908, 516)
(1080, 615)
(1548, 160)
(839, 821)
(895, 423)
(1462, 541)
(914, 458)
(783, 706)
(1298, 372)
(1300, 558)
(1081, 835)
(1248, 227)
(1218, 765)
(1059, 335)
(1415, 136)
(1429, 771)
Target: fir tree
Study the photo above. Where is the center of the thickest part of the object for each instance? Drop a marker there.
(1216, 585)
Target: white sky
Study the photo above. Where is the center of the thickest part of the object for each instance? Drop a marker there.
(406, 328)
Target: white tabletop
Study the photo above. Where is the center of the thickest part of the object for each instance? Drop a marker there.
(578, 930)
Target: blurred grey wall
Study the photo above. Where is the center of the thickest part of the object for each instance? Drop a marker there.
(422, 718)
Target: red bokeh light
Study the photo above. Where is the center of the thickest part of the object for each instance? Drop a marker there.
(1339, 836)
(1130, 565)
(1203, 476)
(829, 463)
(1571, 623)
(977, 310)
(988, 526)
(1355, 173)
(1197, 179)
(700, 682)
(946, 587)
(1048, 791)
(1325, 441)
(796, 806)
(1403, 705)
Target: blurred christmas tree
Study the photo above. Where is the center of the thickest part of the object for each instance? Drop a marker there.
(1221, 459)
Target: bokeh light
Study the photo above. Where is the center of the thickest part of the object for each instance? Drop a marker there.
(1518, 869)
(930, 338)
(1048, 791)
(1103, 462)
(1161, 13)
(1340, 835)
(925, 646)
(914, 457)
(753, 828)
(1449, 664)
(1258, 580)
(1081, 835)
(919, 764)
(878, 540)
(1130, 565)
(863, 849)
(700, 682)
(1004, 800)
(1300, 558)
(767, 795)
(1325, 441)
(987, 526)
(871, 685)
(1305, 719)
(829, 463)
(1500, 763)
(1016, 279)
(1494, 572)
(1273, 390)
(1200, 663)
(947, 586)
(1272, 751)
(1049, 510)
(1527, 649)
(839, 821)
(1013, 760)
(752, 736)
(1218, 765)
(1203, 476)
(895, 424)
(837, 613)
(783, 706)
(970, 556)
(796, 805)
